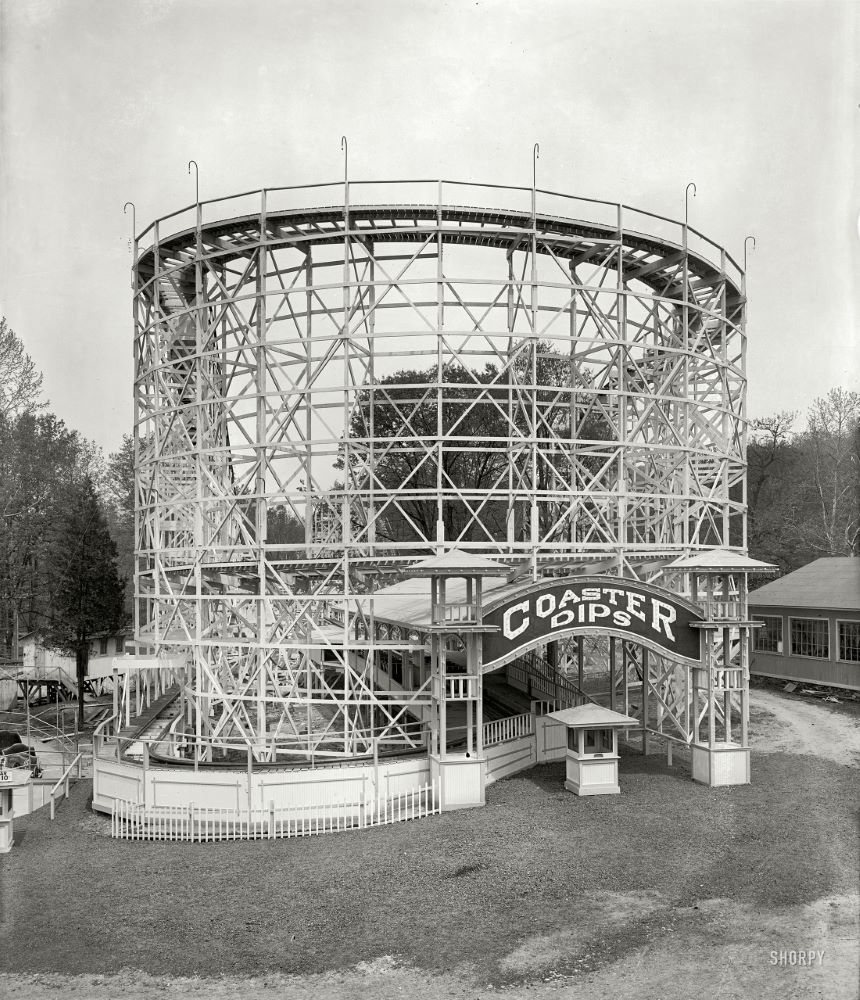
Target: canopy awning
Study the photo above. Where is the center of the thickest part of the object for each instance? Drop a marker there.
(456, 562)
(592, 716)
(722, 561)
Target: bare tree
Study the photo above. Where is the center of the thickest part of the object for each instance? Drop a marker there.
(769, 437)
(831, 468)
(804, 486)
(20, 380)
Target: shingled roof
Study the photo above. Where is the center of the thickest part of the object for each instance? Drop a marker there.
(832, 582)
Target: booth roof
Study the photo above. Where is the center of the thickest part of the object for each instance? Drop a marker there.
(409, 600)
(722, 560)
(456, 561)
(830, 582)
(592, 715)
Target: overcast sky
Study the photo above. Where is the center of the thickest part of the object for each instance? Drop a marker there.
(757, 101)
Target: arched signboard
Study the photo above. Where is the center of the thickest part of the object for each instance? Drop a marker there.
(633, 610)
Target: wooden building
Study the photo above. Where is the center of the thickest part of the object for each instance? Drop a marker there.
(811, 624)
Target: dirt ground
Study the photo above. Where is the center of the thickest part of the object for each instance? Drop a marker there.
(648, 941)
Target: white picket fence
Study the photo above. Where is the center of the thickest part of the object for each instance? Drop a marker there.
(132, 821)
(511, 728)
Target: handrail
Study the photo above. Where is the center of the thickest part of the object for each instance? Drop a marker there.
(98, 730)
(64, 779)
(511, 728)
(618, 206)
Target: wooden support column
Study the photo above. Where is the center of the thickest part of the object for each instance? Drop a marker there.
(712, 735)
(443, 698)
(579, 665)
(260, 504)
(479, 701)
(646, 666)
(612, 670)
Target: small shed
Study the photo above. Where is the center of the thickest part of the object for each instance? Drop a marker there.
(592, 747)
(810, 624)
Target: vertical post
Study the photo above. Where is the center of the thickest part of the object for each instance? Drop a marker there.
(646, 666)
(533, 392)
(440, 365)
(745, 704)
(479, 723)
(579, 663)
(250, 779)
(261, 511)
(686, 394)
(612, 668)
(712, 736)
(308, 451)
(346, 505)
(443, 697)
(624, 409)
(509, 375)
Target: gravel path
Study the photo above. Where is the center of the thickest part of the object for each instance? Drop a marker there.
(795, 725)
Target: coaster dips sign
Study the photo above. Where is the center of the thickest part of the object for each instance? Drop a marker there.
(625, 608)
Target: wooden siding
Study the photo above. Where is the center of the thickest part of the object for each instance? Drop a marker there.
(831, 672)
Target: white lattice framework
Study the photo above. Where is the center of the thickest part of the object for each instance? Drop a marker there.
(574, 395)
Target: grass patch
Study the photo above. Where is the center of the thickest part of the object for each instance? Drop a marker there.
(467, 888)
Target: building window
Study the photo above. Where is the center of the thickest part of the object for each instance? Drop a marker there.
(597, 741)
(810, 637)
(103, 646)
(769, 638)
(849, 641)
(120, 644)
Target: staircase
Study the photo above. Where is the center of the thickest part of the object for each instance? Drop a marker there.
(540, 681)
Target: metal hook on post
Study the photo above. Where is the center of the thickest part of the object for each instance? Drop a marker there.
(344, 145)
(196, 180)
(535, 158)
(134, 221)
(746, 240)
(133, 230)
(687, 203)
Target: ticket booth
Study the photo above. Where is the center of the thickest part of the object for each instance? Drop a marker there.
(10, 778)
(592, 748)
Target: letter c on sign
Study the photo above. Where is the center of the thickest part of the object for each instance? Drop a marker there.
(512, 633)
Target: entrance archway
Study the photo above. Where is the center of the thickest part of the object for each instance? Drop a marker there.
(664, 661)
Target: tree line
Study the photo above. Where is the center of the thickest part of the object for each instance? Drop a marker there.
(803, 482)
(67, 511)
(64, 519)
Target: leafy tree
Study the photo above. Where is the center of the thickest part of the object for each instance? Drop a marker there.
(20, 380)
(283, 528)
(39, 457)
(119, 509)
(476, 406)
(86, 592)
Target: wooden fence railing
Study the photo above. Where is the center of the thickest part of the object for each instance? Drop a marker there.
(511, 728)
(131, 821)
